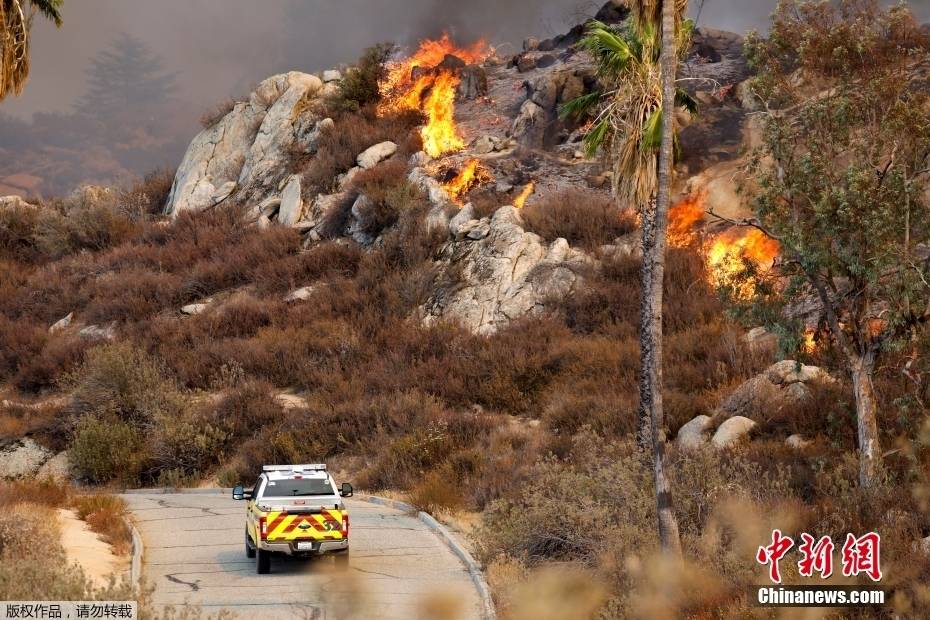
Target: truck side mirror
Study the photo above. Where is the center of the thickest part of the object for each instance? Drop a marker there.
(238, 493)
(346, 490)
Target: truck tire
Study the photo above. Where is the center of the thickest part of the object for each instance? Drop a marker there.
(342, 561)
(249, 549)
(262, 562)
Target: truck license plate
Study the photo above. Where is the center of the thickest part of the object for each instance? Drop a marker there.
(305, 546)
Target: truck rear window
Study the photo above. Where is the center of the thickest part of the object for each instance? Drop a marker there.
(298, 488)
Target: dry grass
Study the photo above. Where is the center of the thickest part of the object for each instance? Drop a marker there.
(42, 492)
(585, 219)
(107, 516)
(214, 115)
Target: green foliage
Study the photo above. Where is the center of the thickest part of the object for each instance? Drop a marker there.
(105, 450)
(51, 9)
(361, 84)
(627, 113)
(842, 169)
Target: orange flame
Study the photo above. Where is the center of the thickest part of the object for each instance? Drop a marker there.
(683, 218)
(440, 135)
(809, 344)
(520, 200)
(728, 251)
(430, 54)
(725, 254)
(433, 92)
(470, 176)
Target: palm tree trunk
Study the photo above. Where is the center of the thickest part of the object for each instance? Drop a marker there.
(655, 227)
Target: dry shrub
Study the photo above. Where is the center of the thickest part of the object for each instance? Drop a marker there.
(59, 357)
(352, 133)
(437, 491)
(45, 492)
(72, 227)
(33, 565)
(106, 515)
(124, 381)
(18, 234)
(20, 341)
(322, 261)
(557, 592)
(486, 203)
(148, 196)
(585, 219)
(335, 220)
(214, 115)
(245, 410)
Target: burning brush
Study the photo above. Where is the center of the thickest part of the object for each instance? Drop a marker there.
(427, 81)
(524, 195)
(726, 253)
(472, 174)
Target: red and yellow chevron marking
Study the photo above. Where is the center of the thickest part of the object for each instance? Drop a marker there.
(326, 525)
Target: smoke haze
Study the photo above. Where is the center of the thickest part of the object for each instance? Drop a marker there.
(221, 48)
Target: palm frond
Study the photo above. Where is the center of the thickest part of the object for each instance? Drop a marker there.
(686, 101)
(14, 47)
(579, 106)
(610, 50)
(51, 9)
(595, 138)
(652, 131)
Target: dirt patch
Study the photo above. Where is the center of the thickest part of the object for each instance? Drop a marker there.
(84, 547)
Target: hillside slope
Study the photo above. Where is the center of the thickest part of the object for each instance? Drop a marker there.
(312, 286)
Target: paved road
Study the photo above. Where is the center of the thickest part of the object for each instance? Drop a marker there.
(194, 554)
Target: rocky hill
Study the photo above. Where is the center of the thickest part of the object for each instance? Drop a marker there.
(434, 291)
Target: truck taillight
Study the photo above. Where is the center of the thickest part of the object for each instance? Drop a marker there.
(345, 525)
(263, 527)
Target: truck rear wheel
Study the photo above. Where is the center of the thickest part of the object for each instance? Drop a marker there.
(263, 562)
(342, 561)
(249, 549)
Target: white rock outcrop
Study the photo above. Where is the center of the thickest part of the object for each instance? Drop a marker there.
(693, 435)
(62, 323)
(292, 204)
(501, 272)
(374, 155)
(22, 458)
(246, 154)
(782, 384)
(194, 309)
(732, 432)
(14, 202)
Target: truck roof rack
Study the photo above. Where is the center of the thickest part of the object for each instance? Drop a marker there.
(313, 467)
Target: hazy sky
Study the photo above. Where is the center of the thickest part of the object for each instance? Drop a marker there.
(222, 47)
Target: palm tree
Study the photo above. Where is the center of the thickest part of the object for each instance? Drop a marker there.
(15, 22)
(655, 238)
(635, 124)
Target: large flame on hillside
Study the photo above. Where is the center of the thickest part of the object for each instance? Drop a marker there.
(416, 83)
(725, 254)
(683, 219)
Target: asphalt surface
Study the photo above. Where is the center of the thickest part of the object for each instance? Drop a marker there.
(195, 555)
